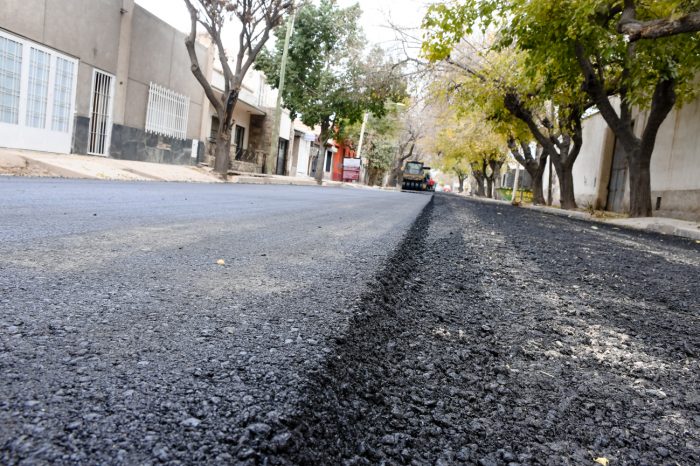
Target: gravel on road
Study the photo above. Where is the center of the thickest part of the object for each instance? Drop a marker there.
(485, 335)
(499, 336)
(122, 339)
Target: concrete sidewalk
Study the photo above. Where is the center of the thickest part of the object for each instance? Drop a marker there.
(42, 164)
(30, 163)
(663, 225)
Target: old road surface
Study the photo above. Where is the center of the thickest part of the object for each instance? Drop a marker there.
(345, 327)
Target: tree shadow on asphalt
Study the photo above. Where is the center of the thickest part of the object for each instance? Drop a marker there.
(643, 295)
(450, 361)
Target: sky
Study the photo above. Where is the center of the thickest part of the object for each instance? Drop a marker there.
(375, 15)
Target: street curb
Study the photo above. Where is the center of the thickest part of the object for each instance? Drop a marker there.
(655, 226)
(243, 179)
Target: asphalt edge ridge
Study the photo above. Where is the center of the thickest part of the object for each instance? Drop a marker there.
(377, 303)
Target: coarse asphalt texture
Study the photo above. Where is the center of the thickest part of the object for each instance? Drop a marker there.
(485, 335)
(122, 341)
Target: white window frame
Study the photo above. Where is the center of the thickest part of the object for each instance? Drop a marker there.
(22, 136)
(19, 78)
(110, 108)
(50, 83)
(52, 90)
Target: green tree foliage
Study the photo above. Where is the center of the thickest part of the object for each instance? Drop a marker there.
(516, 98)
(467, 143)
(380, 142)
(331, 80)
(574, 45)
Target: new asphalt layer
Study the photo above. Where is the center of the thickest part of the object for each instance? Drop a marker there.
(345, 327)
(123, 341)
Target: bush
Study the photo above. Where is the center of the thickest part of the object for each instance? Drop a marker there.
(507, 194)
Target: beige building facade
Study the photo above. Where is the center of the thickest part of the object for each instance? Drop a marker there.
(601, 177)
(99, 77)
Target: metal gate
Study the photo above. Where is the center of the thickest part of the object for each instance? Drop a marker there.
(618, 179)
(101, 113)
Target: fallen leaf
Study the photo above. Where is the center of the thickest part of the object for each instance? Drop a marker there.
(221, 262)
(595, 228)
(602, 460)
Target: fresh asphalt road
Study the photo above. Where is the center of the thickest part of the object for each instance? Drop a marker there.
(334, 333)
(123, 341)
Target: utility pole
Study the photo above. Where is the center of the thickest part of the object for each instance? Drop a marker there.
(275, 136)
(549, 188)
(359, 148)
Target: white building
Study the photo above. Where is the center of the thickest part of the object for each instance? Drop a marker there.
(601, 178)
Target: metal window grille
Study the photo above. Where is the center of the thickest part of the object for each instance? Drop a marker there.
(100, 114)
(10, 71)
(167, 112)
(63, 91)
(37, 98)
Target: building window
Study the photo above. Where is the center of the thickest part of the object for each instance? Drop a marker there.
(37, 97)
(10, 71)
(167, 112)
(62, 95)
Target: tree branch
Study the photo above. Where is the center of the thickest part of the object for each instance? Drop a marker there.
(662, 102)
(636, 30)
(595, 89)
(514, 106)
(190, 42)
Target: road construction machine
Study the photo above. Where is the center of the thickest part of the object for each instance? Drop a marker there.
(416, 177)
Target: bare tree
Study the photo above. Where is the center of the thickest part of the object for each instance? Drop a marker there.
(257, 19)
(408, 149)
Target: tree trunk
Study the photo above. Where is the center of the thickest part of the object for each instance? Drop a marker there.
(537, 190)
(321, 161)
(222, 155)
(640, 185)
(639, 150)
(461, 184)
(567, 199)
(537, 177)
(395, 176)
(489, 187)
(479, 186)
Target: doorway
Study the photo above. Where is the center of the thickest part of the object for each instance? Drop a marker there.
(238, 139)
(100, 113)
(618, 179)
(281, 156)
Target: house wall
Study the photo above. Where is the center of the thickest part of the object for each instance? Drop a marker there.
(299, 162)
(675, 164)
(592, 167)
(157, 55)
(242, 118)
(52, 23)
(126, 41)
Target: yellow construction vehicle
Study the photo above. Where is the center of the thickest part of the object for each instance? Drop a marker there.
(416, 177)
